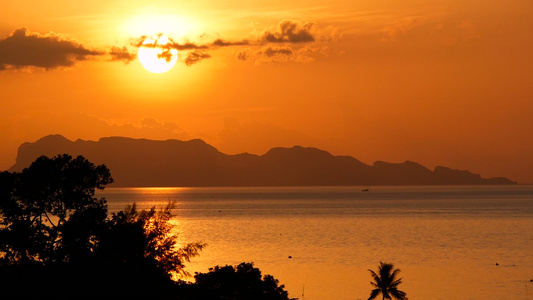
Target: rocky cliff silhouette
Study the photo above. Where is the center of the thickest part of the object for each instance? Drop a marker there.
(142, 162)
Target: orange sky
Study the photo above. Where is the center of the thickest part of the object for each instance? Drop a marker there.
(436, 82)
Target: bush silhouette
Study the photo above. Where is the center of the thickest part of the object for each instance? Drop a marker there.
(241, 282)
(146, 235)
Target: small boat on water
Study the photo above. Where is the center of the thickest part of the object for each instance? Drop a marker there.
(364, 190)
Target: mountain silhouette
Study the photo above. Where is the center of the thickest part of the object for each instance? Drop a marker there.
(143, 162)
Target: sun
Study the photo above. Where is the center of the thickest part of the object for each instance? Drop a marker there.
(156, 54)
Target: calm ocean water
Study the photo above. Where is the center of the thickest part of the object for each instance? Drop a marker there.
(446, 240)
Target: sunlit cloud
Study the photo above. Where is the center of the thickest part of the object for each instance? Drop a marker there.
(223, 43)
(270, 51)
(28, 49)
(121, 54)
(195, 57)
(242, 55)
(283, 53)
(141, 42)
(274, 54)
(290, 32)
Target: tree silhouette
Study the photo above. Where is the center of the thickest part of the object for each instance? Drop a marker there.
(49, 213)
(56, 236)
(386, 282)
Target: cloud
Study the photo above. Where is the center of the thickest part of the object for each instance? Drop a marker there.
(273, 54)
(290, 32)
(242, 55)
(270, 51)
(309, 54)
(121, 54)
(287, 32)
(188, 46)
(149, 122)
(432, 32)
(196, 52)
(195, 57)
(26, 49)
(284, 53)
(222, 43)
(171, 44)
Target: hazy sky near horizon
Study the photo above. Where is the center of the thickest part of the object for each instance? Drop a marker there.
(442, 82)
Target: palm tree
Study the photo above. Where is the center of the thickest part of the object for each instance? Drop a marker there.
(386, 283)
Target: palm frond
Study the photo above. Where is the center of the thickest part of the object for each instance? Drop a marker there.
(376, 277)
(374, 293)
(396, 283)
(394, 274)
(399, 295)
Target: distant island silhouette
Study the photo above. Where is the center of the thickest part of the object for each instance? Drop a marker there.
(194, 163)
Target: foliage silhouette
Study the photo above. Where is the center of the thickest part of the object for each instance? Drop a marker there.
(49, 213)
(386, 282)
(241, 282)
(57, 239)
(135, 235)
(54, 233)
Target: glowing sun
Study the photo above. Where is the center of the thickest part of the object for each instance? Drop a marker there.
(156, 54)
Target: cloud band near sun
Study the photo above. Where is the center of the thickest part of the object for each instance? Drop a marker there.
(24, 49)
(285, 34)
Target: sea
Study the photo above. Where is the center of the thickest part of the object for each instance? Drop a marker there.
(450, 242)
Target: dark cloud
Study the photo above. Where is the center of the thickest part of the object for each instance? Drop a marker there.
(290, 32)
(242, 55)
(140, 42)
(166, 54)
(197, 51)
(222, 43)
(121, 54)
(26, 49)
(189, 46)
(273, 51)
(195, 57)
(287, 32)
(286, 53)
(275, 55)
